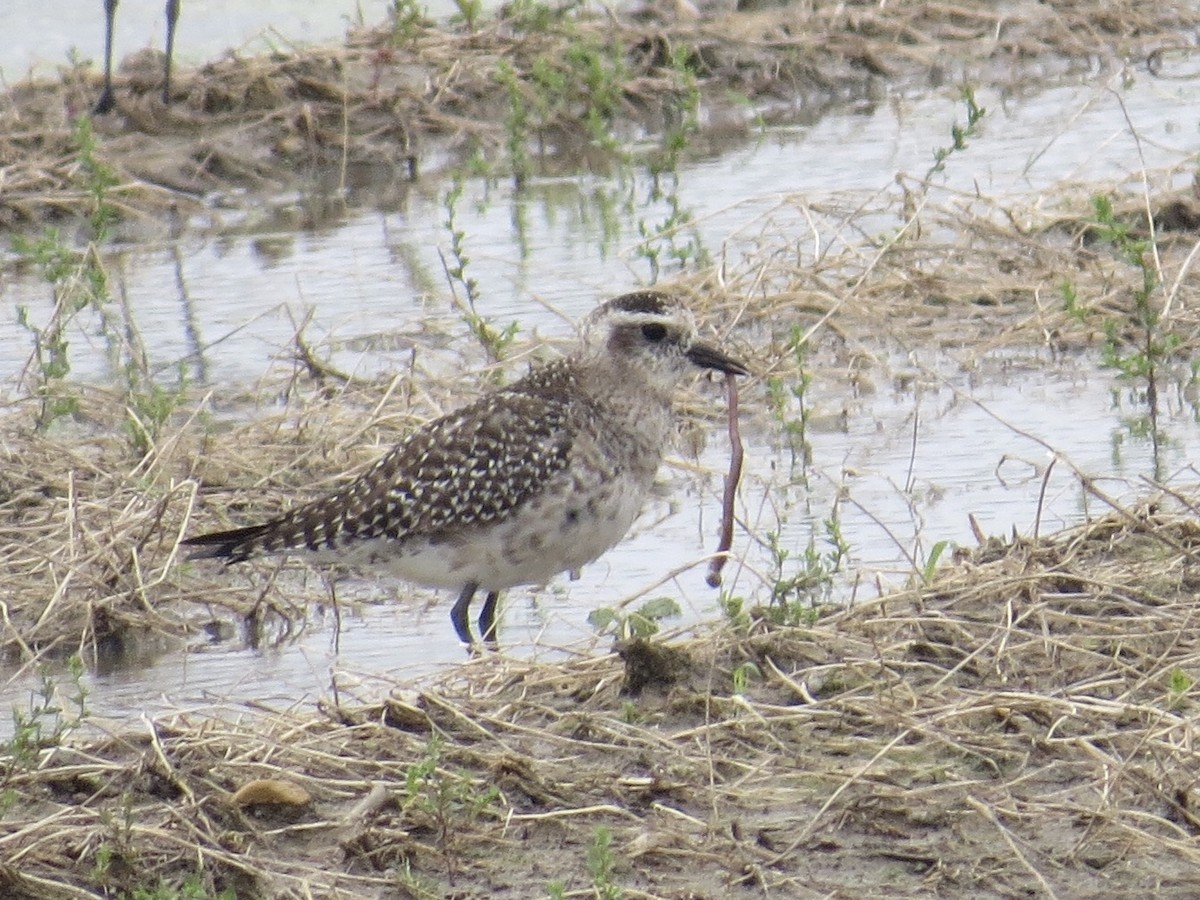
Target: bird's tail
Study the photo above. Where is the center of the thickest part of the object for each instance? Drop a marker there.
(235, 545)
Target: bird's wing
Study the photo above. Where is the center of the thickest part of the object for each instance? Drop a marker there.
(473, 466)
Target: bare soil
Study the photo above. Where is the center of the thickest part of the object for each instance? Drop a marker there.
(1021, 726)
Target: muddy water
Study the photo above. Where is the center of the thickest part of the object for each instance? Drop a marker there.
(942, 435)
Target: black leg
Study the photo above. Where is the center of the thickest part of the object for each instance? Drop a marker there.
(487, 618)
(107, 99)
(172, 18)
(459, 614)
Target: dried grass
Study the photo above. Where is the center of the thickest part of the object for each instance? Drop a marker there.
(1024, 725)
(970, 275)
(370, 112)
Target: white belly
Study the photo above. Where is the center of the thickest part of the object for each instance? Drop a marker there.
(563, 531)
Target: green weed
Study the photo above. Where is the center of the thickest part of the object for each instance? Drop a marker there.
(77, 281)
(149, 406)
(681, 111)
(1178, 685)
(743, 675)
(674, 242)
(781, 396)
(469, 13)
(959, 133)
(494, 341)
(532, 16)
(43, 723)
(735, 612)
(193, 887)
(930, 568)
(447, 803)
(1139, 358)
(408, 18)
(1138, 343)
(644, 622)
(599, 75)
(457, 270)
(516, 124)
(601, 865)
(1071, 304)
(585, 84)
(98, 180)
(802, 584)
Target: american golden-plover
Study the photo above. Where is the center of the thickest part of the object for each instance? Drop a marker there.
(531, 480)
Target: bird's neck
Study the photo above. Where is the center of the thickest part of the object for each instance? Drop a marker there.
(641, 409)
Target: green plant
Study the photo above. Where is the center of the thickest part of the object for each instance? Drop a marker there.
(77, 281)
(118, 845)
(553, 94)
(1071, 303)
(516, 124)
(802, 583)
(734, 609)
(458, 245)
(781, 395)
(673, 240)
(743, 674)
(642, 623)
(1135, 358)
(930, 567)
(149, 404)
(408, 18)
(959, 133)
(45, 721)
(98, 180)
(445, 802)
(494, 341)
(1138, 342)
(601, 865)
(1178, 685)
(469, 12)
(599, 75)
(193, 887)
(532, 16)
(681, 110)
(631, 713)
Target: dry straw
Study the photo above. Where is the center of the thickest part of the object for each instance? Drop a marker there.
(392, 97)
(1022, 725)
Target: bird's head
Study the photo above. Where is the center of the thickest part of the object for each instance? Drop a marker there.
(651, 335)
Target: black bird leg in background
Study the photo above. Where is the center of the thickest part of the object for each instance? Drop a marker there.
(108, 98)
(172, 19)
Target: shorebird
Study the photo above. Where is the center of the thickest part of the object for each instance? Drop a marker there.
(529, 481)
(108, 99)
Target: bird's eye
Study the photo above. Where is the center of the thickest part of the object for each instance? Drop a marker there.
(654, 332)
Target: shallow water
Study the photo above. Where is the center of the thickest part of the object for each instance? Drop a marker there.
(944, 435)
(40, 37)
